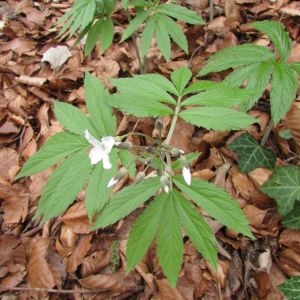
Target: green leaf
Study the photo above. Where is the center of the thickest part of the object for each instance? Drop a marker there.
(217, 118)
(251, 155)
(135, 24)
(223, 96)
(106, 33)
(279, 37)
(284, 88)
(202, 85)
(217, 203)
(291, 288)
(97, 192)
(128, 161)
(190, 157)
(296, 67)
(126, 201)
(175, 32)
(284, 187)
(292, 219)
(181, 77)
(143, 232)
(169, 239)
(139, 107)
(180, 13)
(140, 87)
(162, 37)
(92, 37)
(147, 36)
(237, 56)
(63, 185)
(196, 228)
(72, 118)
(100, 112)
(161, 82)
(54, 150)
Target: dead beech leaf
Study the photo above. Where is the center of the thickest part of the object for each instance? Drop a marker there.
(220, 275)
(9, 163)
(39, 273)
(93, 263)
(293, 121)
(291, 239)
(166, 292)
(289, 262)
(80, 252)
(56, 56)
(34, 81)
(292, 9)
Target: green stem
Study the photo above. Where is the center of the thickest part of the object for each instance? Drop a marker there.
(174, 121)
(267, 133)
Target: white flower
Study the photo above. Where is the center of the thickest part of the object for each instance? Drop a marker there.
(100, 150)
(187, 175)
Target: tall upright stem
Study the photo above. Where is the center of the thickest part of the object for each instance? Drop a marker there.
(267, 133)
(174, 121)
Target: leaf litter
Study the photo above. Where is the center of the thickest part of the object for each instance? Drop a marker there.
(61, 256)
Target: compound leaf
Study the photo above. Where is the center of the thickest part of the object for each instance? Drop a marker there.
(162, 37)
(291, 288)
(106, 33)
(181, 77)
(169, 239)
(284, 88)
(72, 118)
(63, 185)
(143, 231)
(97, 192)
(216, 203)
(251, 155)
(217, 118)
(237, 56)
(279, 37)
(180, 13)
(54, 150)
(147, 36)
(125, 201)
(196, 228)
(100, 113)
(284, 187)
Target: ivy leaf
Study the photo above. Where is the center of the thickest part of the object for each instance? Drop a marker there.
(251, 155)
(237, 56)
(284, 187)
(180, 13)
(143, 232)
(72, 118)
(181, 77)
(284, 88)
(54, 150)
(63, 185)
(279, 37)
(125, 201)
(169, 240)
(216, 203)
(292, 219)
(97, 192)
(217, 118)
(196, 228)
(291, 288)
(100, 112)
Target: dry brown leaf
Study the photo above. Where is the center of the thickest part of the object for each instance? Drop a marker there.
(166, 292)
(56, 56)
(39, 273)
(293, 8)
(9, 163)
(79, 253)
(293, 121)
(291, 239)
(93, 263)
(68, 237)
(289, 262)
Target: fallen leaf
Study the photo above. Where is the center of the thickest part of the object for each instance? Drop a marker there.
(56, 56)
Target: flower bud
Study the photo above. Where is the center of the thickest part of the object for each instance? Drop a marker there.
(159, 124)
(125, 145)
(120, 175)
(165, 183)
(176, 152)
(139, 177)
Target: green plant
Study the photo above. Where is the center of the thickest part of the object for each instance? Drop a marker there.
(256, 66)
(83, 158)
(291, 288)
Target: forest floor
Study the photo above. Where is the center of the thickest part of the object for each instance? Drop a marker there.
(62, 259)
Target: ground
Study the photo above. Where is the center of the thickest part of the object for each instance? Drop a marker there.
(62, 259)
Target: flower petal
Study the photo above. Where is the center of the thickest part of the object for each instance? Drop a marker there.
(106, 162)
(93, 141)
(96, 155)
(108, 142)
(187, 175)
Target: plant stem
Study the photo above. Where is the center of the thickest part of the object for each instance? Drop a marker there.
(173, 123)
(267, 133)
